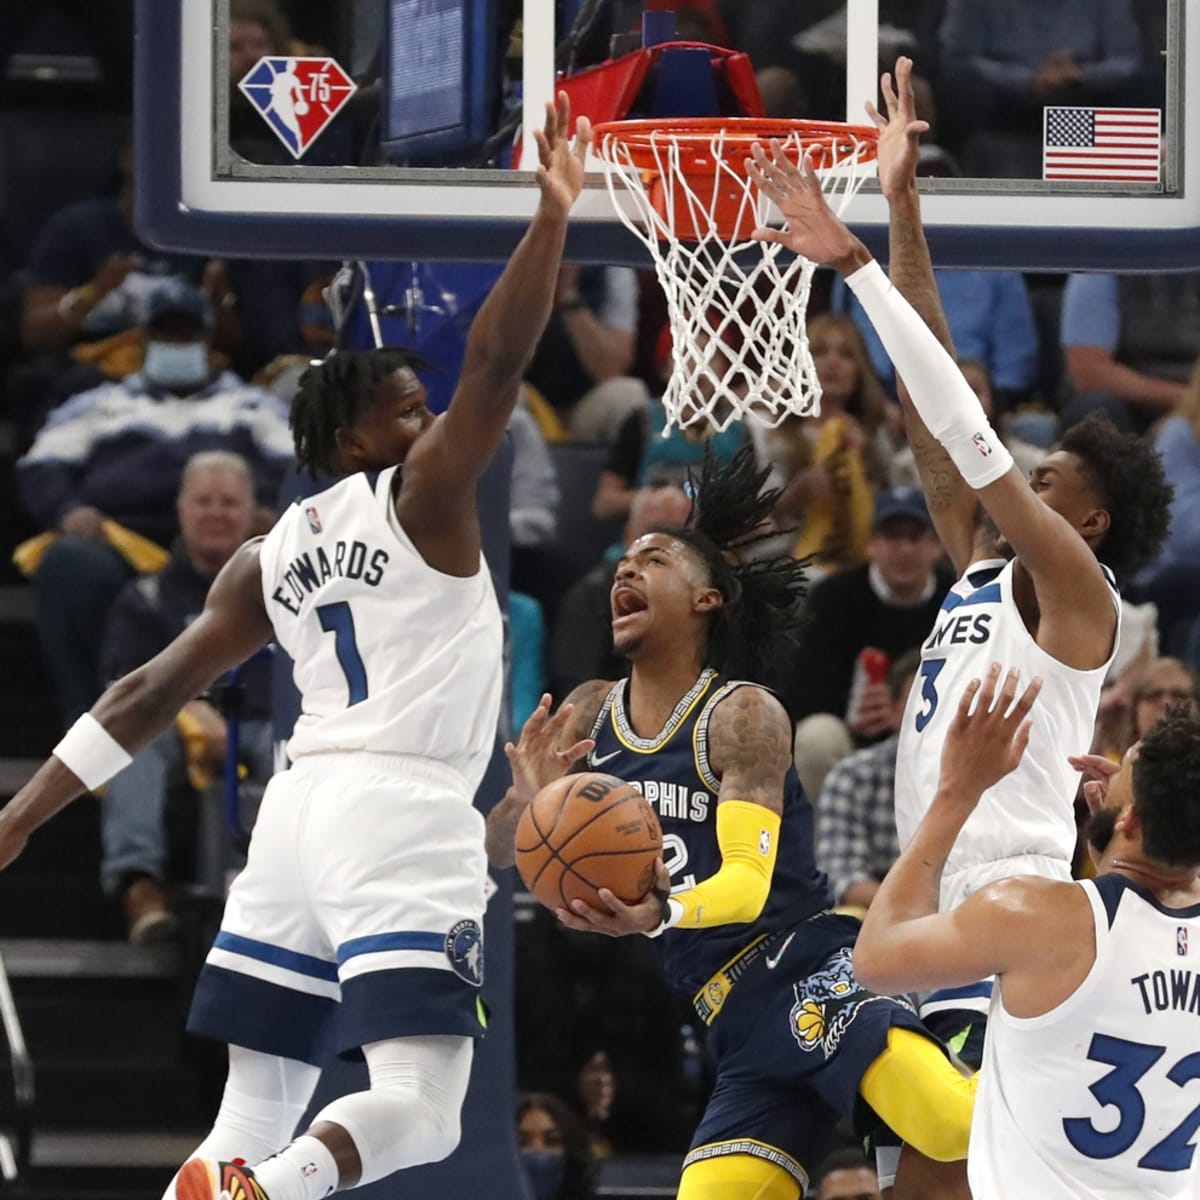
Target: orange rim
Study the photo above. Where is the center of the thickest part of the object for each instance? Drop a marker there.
(643, 140)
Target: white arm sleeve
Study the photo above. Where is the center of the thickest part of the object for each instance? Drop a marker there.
(942, 397)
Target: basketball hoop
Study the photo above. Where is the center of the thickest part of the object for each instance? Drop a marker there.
(736, 307)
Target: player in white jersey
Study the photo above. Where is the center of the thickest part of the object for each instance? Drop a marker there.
(357, 921)
(1037, 595)
(1090, 1088)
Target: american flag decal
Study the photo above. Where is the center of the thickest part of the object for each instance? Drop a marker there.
(1102, 143)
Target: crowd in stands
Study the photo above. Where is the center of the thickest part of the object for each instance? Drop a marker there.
(148, 395)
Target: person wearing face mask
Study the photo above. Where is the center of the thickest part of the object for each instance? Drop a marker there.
(553, 1148)
(114, 456)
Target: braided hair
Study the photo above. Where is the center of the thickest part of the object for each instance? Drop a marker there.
(333, 393)
(762, 598)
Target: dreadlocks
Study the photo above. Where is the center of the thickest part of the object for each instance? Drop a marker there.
(333, 393)
(763, 598)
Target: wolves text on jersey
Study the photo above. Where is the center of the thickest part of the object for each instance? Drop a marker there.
(305, 573)
(957, 629)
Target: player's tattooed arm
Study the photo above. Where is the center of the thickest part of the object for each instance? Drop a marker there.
(952, 504)
(750, 747)
(549, 748)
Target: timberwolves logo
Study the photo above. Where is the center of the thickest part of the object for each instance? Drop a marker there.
(826, 1004)
(464, 949)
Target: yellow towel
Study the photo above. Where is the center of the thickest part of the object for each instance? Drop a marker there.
(143, 555)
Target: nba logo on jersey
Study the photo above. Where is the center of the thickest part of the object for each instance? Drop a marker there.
(297, 97)
(1181, 941)
(314, 518)
(981, 444)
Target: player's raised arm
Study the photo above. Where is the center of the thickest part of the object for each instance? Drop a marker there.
(1077, 616)
(509, 324)
(907, 944)
(952, 504)
(138, 707)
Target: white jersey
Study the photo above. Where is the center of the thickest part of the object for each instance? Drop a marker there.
(1099, 1098)
(1025, 824)
(390, 655)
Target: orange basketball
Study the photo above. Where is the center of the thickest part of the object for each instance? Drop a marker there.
(585, 832)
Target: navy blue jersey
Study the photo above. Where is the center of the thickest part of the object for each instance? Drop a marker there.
(672, 771)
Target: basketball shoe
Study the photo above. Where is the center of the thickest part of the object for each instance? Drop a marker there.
(207, 1179)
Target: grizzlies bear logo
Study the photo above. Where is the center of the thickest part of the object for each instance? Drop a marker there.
(826, 1004)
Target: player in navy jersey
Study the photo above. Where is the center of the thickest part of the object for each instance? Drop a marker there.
(357, 920)
(1089, 1083)
(740, 913)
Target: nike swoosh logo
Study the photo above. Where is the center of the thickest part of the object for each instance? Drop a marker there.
(773, 959)
(600, 759)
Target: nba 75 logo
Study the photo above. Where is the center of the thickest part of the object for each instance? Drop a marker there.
(297, 97)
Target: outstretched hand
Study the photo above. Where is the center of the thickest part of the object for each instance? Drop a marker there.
(617, 918)
(987, 738)
(537, 758)
(561, 161)
(813, 229)
(899, 131)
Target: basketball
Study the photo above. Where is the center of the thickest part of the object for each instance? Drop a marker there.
(586, 832)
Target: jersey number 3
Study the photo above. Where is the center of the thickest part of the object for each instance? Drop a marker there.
(1118, 1089)
(338, 620)
(931, 668)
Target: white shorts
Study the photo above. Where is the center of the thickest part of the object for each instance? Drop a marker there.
(358, 916)
(958, 884)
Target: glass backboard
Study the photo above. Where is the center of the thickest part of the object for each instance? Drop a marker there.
(397, 128)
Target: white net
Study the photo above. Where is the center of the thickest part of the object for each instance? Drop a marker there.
(736, 306)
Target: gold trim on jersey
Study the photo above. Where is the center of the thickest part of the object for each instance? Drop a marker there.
(700, 735)
(710, 999)
(624, 731)
(754, 1148)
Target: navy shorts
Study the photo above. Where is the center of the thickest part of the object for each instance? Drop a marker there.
(792, 1043)
(959, 1016)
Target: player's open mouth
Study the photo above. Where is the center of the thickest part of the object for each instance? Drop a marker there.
(626, 603)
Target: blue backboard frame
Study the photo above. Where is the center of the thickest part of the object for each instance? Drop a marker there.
(165, 218)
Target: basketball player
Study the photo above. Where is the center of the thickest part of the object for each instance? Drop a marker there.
(356, 923)
(1035, 594)
(741, 914)
(1088, 1089)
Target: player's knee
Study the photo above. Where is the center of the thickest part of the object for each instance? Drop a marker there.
(442, 1127)
(914, 1088)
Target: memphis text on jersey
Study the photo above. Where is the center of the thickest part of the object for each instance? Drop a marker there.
(674, 799)
(307, 572)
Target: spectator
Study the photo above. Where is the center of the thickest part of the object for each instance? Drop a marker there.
(598, 1089)
(582, 646)
(582, 363)
(991, 322)
(828, 464)
(644, 452)
(216, 513)
(1172, 582)
(846, 1175)
(856, 839)
(117, 452)
(1144, 693)
(889, 603)
(553, 1148)
(1003, 63)
(1130, 343)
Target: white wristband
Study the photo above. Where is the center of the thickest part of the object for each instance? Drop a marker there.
(674, 915)
(942, 397)
(91, 753)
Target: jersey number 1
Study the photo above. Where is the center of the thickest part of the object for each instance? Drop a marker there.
(337, 619)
